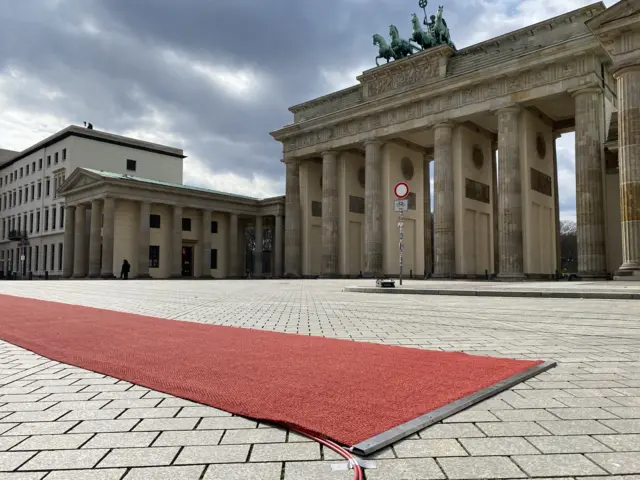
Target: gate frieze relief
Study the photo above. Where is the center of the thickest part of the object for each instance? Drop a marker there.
(419, 108)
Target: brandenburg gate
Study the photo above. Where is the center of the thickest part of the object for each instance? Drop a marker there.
(487, 116)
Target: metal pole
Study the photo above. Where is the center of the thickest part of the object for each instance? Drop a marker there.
(401, 226)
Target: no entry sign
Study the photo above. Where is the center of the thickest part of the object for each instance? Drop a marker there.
(401, 190)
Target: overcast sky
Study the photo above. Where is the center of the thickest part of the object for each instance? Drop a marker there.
(213, 77)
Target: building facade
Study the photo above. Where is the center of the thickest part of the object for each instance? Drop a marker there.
(81, 201)
(487, 116)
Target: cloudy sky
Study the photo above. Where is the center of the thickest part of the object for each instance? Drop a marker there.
(213, 77)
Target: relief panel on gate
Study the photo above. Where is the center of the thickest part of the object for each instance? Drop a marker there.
(478, 191)
(541, 182)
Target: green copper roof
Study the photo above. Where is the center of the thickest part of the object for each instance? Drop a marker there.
(121, 176)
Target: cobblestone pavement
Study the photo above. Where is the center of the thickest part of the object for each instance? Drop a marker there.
(579, 420)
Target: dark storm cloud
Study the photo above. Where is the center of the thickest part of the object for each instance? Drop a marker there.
(118, 76)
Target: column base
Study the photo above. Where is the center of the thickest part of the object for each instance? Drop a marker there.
(444, 276)
(627, 275)
(511, 277)
(143, 276)
(77, 275)
(593, 275)
(107, 276)
(94, 275)
(331, 275)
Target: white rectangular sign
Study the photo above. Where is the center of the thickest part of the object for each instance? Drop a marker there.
(401, 205)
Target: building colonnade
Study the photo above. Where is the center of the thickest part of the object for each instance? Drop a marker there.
(507, 199)
(95, 258)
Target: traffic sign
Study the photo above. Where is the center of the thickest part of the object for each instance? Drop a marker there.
(401, 190)
(401, 205)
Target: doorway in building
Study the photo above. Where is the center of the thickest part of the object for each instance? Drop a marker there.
(187, 261)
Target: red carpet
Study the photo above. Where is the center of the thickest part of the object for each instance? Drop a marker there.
(346, 391)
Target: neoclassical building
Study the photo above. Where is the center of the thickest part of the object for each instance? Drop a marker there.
(487, 116)
(80, 202)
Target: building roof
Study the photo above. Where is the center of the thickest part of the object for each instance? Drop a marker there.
(6, 155)
(98, 136)
(130, 178)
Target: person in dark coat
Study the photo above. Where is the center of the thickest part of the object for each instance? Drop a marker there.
(124, 271)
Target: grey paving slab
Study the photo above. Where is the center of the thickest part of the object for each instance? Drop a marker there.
(93, 474)
(582, 416)
(193, 472)
(63, 459)
(245, 471)
(562, 464)
(139, 457)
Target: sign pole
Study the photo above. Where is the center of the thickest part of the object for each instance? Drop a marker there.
(401, 191)
(401, 226)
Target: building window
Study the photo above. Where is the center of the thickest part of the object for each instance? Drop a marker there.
(64, 154)
(154, 221)
(154, 256)
(27, 170)
(214, 259)
(131, 165)
(60, 256)
(39, 164)
(33, 166)
(48, 160)
(55, 160)
(30, 222)
(35, 260)
(44, 257)
(61, 217)
(54, 210)
(186, 224)
(33, 192)
(46, 219)
(37, 221)
(53, 257)
(39, 190)
(214, 227)
(21, 171)
(47, 188)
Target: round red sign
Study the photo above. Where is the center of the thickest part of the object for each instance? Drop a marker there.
(401, 190)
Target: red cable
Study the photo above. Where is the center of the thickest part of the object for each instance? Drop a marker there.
(336, 448)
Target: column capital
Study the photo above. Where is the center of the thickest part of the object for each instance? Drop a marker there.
(443, 125)
(329, 153)
(583, 89)
(625, 67)
(373, 141)
(290, 160)
(513, 108)
(556, 135)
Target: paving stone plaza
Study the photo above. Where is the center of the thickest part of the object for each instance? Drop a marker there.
(579, 420)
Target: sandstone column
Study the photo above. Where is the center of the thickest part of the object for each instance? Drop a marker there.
(95, 239)
(444, 225)
(205, 244)
(373, 209)
(257, 256)
(292, 221)
(510, 195)
(69, 237)
(144, 237)
(329, 214)
(176, 242)
(233, 245)
(628, 81)
(494, 207)
(278, 247)
(108, 227)
(556, 202)
(426, 193)
(79, 266)
(589, 183)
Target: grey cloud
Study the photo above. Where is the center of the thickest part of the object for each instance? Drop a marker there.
(289, 40)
